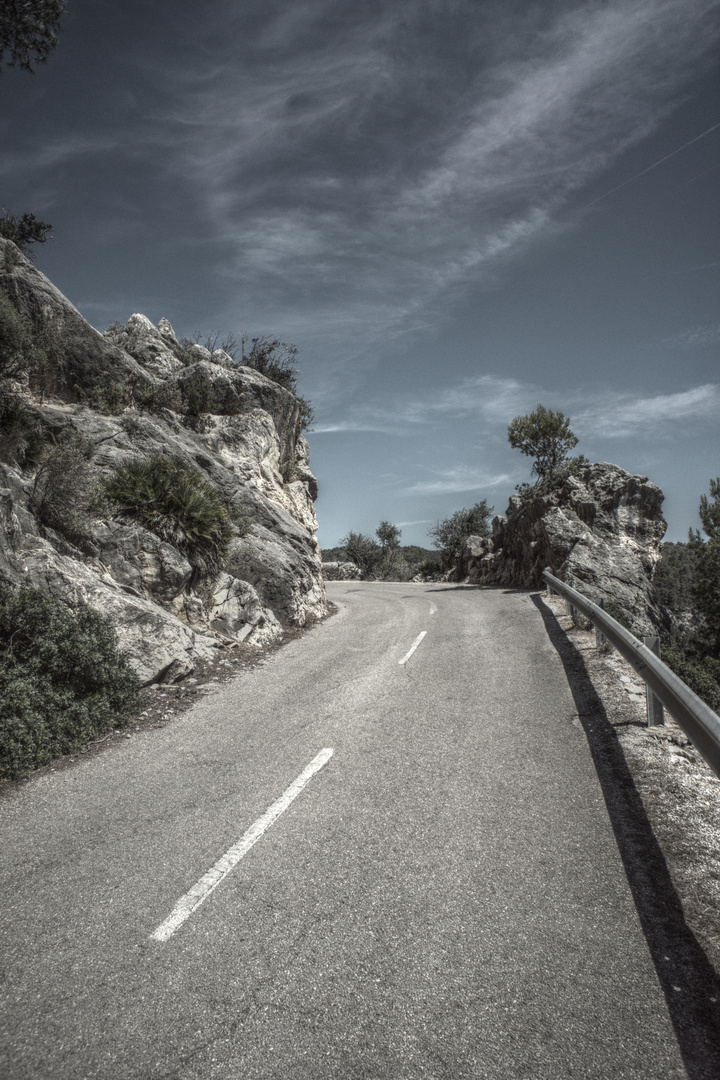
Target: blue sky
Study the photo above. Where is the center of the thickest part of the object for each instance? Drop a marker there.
(454, 209)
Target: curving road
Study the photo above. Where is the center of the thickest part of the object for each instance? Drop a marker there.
(443, 899)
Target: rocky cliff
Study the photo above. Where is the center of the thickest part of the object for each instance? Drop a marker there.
(135, 395)
(599, 531)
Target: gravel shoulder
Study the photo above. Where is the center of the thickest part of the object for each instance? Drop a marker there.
(679, 792)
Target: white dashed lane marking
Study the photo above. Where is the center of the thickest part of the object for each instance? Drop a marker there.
(200, 891)
(413, 647)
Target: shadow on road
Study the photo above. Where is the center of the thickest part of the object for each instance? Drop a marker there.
(689, 981)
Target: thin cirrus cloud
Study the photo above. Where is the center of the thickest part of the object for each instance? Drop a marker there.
(450, 481)
(621, 416)
(493, 402)
(301, 169)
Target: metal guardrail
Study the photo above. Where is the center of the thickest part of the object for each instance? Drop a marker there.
(698, 721)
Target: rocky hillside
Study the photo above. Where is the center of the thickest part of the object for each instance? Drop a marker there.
(599, 531)
(78, 409)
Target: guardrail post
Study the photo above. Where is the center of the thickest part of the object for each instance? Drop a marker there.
(599, 636)
(568, 608)
(655, 711)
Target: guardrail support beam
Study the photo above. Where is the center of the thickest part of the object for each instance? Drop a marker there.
(599, 636)
(655, 711)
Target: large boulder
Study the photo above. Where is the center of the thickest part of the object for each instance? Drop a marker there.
(341, 571)
(599, 531)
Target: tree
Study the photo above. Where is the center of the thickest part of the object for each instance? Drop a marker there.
(391, 561)
(544, 435)
(706, 583)
(24, 231)
(451, 534)
(362, 550)
(28, 31)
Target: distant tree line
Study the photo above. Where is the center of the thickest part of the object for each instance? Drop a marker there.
(687, 580)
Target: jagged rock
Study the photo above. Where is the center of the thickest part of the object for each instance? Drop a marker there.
(243, 439)
(154, 349)
(341, 571)
(600, 532)
(235, 610)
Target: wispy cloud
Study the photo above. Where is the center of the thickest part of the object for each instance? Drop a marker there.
(308, 164)
(487, 398)
(449, 481)
(695, 337)
(622, 415)
(490, 403)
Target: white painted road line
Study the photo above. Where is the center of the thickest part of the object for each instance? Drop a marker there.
(200, 891)
(413, 647)
(433, 607)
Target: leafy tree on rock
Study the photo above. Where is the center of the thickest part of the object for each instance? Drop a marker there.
(544, 435)
(24, 231)
(28, 31)
(450, 535)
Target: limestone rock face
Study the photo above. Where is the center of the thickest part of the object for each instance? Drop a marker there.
(240, 429)
(600, 532)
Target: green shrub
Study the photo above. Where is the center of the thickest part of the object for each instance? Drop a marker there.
(15, 339)
(155, 398)
(63, 680)
(451, 534)
(199, 395)
(240, 518)
(21, 434)
(110, 399)
(289, 469)
(64, 484)
(619, 615)
(131, 425)
(427, 567)
(173, 500)
(701, 675)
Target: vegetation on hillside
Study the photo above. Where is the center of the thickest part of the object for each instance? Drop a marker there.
(63, 680)
(687, 580)
(450, 535)
(382, 557)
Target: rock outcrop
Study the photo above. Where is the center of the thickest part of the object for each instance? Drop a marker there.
(341, 571)
(599, 531)
(136, 393)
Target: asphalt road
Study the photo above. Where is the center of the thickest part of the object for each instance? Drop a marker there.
(443, 900)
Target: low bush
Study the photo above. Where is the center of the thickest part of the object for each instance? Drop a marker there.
(15, 339)
(172, 499)
(619, 615)
(109, 400)
(701, 674)
(63, 680)
(241, 518)
(155, 398)
(21, 435)
(64, 484)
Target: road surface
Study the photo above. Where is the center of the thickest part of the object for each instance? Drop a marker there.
(443, 899)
